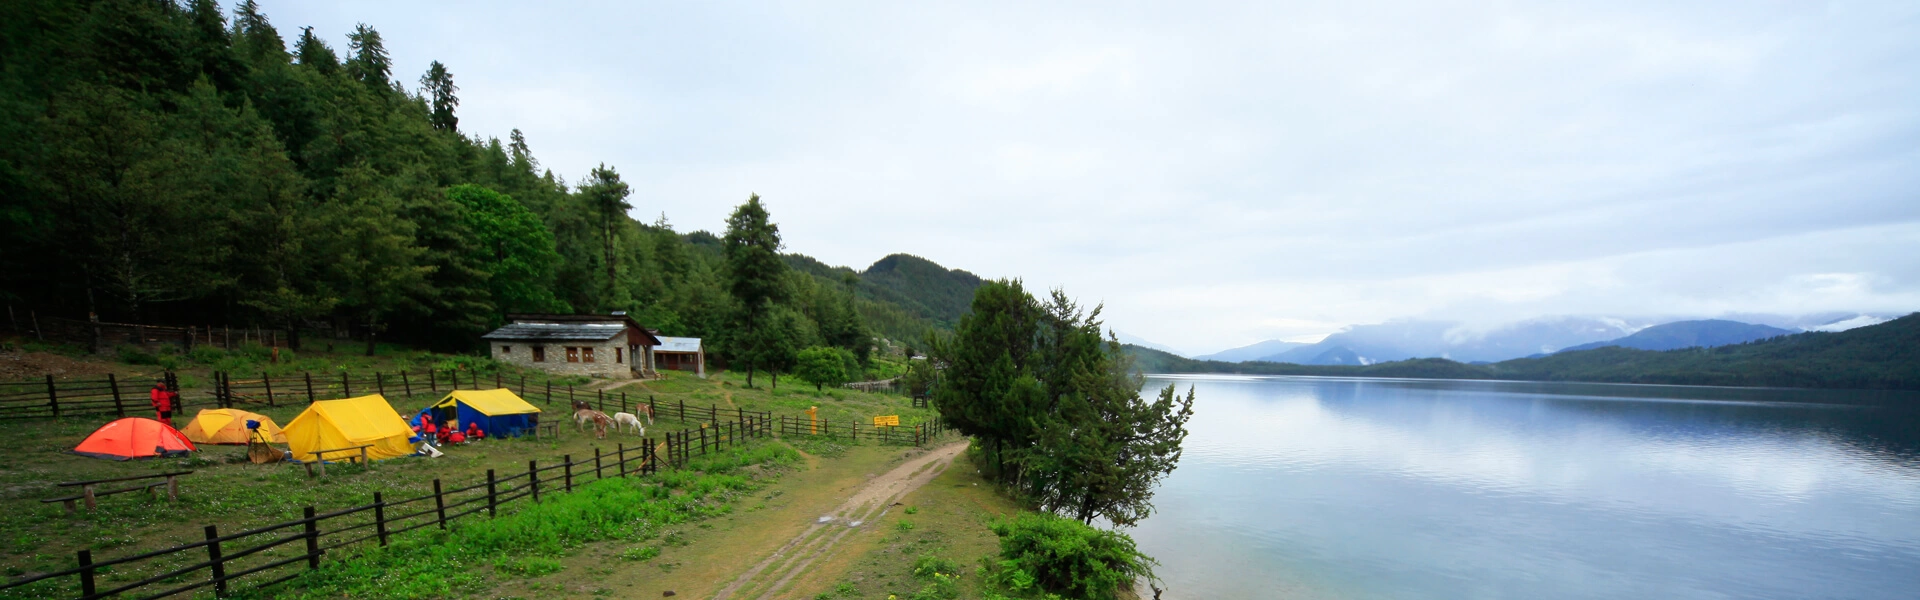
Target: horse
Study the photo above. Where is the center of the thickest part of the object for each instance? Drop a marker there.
(600, 421)
(621, 420)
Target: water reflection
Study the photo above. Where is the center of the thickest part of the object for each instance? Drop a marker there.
(1305, 487)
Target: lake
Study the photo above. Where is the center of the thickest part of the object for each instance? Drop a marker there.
(1303, 487)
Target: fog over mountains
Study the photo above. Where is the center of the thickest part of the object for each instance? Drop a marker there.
(1404, 339)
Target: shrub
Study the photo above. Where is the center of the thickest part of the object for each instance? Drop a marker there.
(641, 553)
(135, 355)
(1044, 552)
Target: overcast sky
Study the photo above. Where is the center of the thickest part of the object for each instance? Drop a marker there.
(1223, 173)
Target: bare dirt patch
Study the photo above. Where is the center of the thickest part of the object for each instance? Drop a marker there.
(772, 574)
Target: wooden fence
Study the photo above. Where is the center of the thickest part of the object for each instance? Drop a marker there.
(261, 557)
(915, 434)
(101, 336)
(112, 395)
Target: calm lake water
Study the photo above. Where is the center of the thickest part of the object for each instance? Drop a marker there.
(1297, 487)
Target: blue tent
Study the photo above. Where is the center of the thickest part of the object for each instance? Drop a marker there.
(499, 412)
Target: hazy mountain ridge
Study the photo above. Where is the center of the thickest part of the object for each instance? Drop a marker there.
(1253, 351)
(1883, 356)
(1706, 333)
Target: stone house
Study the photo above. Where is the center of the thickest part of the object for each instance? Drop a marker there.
(609, 346)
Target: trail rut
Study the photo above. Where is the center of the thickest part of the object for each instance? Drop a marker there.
(769, 576)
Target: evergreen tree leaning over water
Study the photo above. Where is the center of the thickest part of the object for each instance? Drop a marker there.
(1056, 408)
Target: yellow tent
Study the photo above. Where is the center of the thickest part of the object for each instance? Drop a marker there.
(337, 424)
(498, 412)
(229, 426)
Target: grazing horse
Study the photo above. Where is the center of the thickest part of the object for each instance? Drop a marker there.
(622, 420)
(599, 419)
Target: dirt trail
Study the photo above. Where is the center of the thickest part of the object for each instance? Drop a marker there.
(770, 575)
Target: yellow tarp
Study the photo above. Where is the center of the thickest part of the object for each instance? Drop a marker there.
(332, 424)
(229, 426)
(492, 403)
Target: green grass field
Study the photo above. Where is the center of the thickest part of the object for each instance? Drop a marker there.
(234, 494)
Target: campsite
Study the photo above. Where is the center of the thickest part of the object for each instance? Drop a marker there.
(226, 489)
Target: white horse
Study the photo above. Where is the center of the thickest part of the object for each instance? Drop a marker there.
(622, 420)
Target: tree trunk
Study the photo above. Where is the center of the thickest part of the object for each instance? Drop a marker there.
(370, 336)
(293, 333)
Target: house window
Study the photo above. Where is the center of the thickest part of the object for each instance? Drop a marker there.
(539, 354)
(618, 357)
(573, 354)
(505, 349)
(586, 355)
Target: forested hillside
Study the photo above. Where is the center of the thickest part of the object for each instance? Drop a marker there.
(1884, 356)
(171, 163)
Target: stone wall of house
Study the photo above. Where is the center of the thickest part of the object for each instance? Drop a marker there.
(521, 354)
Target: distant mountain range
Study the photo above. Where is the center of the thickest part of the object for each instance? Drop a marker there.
(1689, 334)
(1402, 340)
(1259, 351)
(1883, 356)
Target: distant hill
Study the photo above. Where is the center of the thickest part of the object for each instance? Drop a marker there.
(931, 291)
(1884, 356)
(1690, 334)
(1252, 351)
(1400, 340)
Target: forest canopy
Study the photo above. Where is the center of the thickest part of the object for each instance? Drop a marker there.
(170, 162)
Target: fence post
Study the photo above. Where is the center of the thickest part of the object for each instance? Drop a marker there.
(549, 392)
(566, 470)
(219, 566)
(600, 396)
(380, 382)
(268, 381)
(622, 460)
(703, 438)
(683, 410)
(570, 400)
(118, 408)
(313, 540)
(86, 573)
(623, 402)
(406, 386)
(533, 478)
(439, 503)
(597, 475)
(433, 381)
(346, 390)
(53, 397)
(380, 518)
(492, 496)
(496, 380)
(309, 376)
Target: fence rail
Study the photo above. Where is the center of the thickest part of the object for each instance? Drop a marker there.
(251, 557)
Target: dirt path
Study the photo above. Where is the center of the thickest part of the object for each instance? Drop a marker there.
(770, 575)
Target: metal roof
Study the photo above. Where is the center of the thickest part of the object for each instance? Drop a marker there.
(677, 344)
(556, 331)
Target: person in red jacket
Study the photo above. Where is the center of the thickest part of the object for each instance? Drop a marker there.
(163, 402)
(474, 432)
(427, 427)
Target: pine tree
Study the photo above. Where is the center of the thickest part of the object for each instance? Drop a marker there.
(607, 196)
(756, 276)
(438, 86)
(315, 54)
(370, 63)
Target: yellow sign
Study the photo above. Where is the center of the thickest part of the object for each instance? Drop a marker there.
(887, 421)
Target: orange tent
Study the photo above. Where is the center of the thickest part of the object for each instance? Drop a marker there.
(132, 438)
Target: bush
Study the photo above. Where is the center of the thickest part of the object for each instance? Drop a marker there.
(135, 355)
(941, 577)
(1047, 553)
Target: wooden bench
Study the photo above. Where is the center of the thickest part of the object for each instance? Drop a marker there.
(90, 494)
(320, 457)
